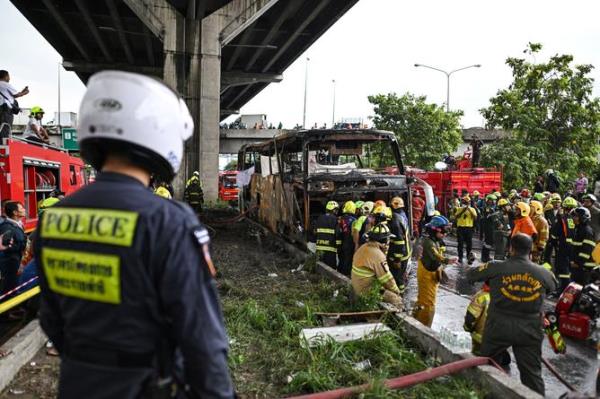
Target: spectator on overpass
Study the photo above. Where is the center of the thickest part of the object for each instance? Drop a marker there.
(8, 103)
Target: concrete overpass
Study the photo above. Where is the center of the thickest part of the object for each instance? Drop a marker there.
(231, 140)
(218, 54)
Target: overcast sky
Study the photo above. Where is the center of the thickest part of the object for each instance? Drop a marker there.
(372, 49)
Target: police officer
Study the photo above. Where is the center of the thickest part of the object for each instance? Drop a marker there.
(127, 292)
(518, 288)
(328, 234)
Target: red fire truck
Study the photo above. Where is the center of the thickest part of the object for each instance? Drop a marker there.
(30, 172)
(228, 189)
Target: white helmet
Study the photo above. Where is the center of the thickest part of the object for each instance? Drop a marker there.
(137, 116)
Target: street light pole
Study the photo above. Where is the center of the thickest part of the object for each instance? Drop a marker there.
(305, 90)
(333, 111)
(448, 74)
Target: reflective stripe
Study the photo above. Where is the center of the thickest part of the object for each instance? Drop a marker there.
(325, 248)
(326, 231)
(585, 256)
(568, 275)
(399, 242)
(362, 272)
(576, 243)
(476, 337)
(590, 242)
(590, 264)
(338, 242)
(553, 236)
(385, 278)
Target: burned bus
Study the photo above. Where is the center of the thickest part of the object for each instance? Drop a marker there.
(286, 181)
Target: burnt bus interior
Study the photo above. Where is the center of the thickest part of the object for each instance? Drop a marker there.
(296, 173)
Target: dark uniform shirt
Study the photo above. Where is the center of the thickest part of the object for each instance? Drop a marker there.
(400, 245)
(327, 233)
(517, 285)
(582, 245)
(125, 276)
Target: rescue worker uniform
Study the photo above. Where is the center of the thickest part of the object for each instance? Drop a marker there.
(400, 249)
(327, 236)
(524, 225)
(429, 275)
(46, 203)
(582, 245)
(368, 265)
(465, 217)
(488, 222)
(518, 288)
(162, 191)
(552, 216)
(562, 234)
(476, 316)
(418, 207)
(502, 231)
(346, 243)
(543, 231)
(127, 295)
(193, 193)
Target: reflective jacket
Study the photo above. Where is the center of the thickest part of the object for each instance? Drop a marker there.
(127, 285)
(369, 264)
(477, 314)
(583, 245)
(327, 233)
(400, 249)
(433, 254)
(465, 216)
(543, 232)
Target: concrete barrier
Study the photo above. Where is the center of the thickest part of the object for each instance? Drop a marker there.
(20, 348)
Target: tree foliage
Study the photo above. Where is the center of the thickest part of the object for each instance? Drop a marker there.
(553, 119)
(231, 165)
(425, 132)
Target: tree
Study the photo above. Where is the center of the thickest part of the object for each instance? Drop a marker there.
(553, 119)
(425, 132)
(231, 165)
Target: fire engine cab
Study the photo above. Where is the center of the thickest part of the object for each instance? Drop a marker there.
(30, 172)
(228, 189)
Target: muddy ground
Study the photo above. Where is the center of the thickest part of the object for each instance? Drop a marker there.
(38, 379)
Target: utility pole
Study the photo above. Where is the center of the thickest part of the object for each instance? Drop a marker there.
(448, 74)
(305, 91)
(333, 110)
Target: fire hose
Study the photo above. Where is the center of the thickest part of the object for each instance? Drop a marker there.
(406, 380)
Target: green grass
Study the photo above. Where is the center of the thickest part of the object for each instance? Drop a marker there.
(264, 320)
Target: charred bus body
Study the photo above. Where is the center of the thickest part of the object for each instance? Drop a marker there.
(288, 180)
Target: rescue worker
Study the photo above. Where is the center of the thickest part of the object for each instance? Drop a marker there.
(525, 196)
(552, 215)
(400, 250)
(543, 231)
(162, 191)
(590, 202)
(54, 197)
(327, 235)
(431, 268)
(346, 246)
(502, 228)
(380, 213)
(583, 244)
(465, 217)
(369, 265)
(518, 288)
(193, 193)
(562, 234)
(488, 224)
(418, 207)
(523, 223)
(552, 181)
(141, 304)
(362, 225)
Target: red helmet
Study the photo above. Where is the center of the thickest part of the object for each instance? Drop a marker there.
(525, 193)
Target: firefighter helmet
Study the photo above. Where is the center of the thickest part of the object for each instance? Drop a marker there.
(137, 117)
(332, 206)
(380, 233)
(359, 204)
(569, 202)
(349, 207)
(502, 202)
(438, 223)
(36, 109)
(582, 213)
(397, 202)
(490, 197)
(367, 207)
(538, 197)
(536, 207)
(525, 193)
(388, 213)
(590, 197)
(524, 209)
(476, 193)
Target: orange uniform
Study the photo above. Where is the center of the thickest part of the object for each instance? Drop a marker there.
(524, 225)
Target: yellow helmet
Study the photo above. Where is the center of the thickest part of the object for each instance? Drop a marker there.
(367, 207)
(36, 109)
(524, 208)
(379, 209)
(332, 205)
(476, 193)
(437, 213)
(349, 207)
(570, 202)
(162, 192)
(388, 213)
(536, 208)
(380, 233)
(502, 202)
(555, 197)
(466, 198)
(397, 202)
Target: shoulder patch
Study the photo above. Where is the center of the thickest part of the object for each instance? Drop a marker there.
(201, 235)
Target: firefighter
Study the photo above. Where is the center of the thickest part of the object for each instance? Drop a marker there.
(552, 213)
(54, 197)
(418, 207)
(562, 234)
(488, 223)
(430, 269)
(525, 196)
(465, 217)
(582, 245)
(193, 193)
(502, 229)
(523, 223)
(162, 191)
(135, 302)
(590, 202)
(517, 291)
(346, 244)
(400, 248)
(380, 213)
(327, 235)
(369, 265)
(362, 225)
(543, 231)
